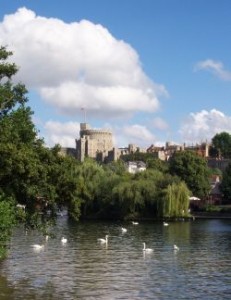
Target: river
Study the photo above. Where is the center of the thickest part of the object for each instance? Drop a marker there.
(85, 269)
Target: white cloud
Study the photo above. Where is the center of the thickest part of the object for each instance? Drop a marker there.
(204, 125)
(216, 67)
(159, 123)
(69, 97)
(61, 133)
(65, 133)
(133, 134)
(78, 64)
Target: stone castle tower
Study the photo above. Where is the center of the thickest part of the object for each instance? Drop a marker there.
(93, 143)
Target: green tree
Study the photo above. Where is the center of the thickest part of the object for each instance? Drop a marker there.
(193, 170)
(174, 201)
(12, 135)
(7, 221)
(215, 171)
(17, 133)
(29, 171)
(225, 186)
(65, 178)
(107, 206)
(10, 94)
(117, 167)
(88, 177)
(138, 156)
(157, 164)
(128, 196)
(221, 145)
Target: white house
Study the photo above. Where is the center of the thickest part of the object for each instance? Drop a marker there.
(135, 166)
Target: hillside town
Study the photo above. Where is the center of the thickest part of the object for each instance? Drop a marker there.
(98, 145)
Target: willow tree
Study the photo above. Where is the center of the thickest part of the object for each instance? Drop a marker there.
(174, 201)
(107, 206)
(123, 196)
(136, 195)
(88, 177)
(149, 183)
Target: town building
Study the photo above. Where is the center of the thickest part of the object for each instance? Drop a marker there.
(165, 152)
(218, 163)
(135, 166)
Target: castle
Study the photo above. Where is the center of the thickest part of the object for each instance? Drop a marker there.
(98, 144)
(93, 143)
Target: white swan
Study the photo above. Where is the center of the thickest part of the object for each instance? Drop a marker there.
(103, 241)
(124, 229)
(38, 247)
(165, 224)
(63, 240)
(135, 223)
(147, 250)
(23, 207)
(175, 247)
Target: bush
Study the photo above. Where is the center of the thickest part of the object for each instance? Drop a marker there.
(212, 208)
(7, 222)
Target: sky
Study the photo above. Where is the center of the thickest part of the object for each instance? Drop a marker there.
(151, 71)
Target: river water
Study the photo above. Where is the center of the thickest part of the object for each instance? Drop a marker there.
(85, 269)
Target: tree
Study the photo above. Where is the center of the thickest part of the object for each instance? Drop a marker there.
(221, 145)
(127, 196)
(29, 171)
(65, 179)
(193, 170)
(215, 171)
(174, 201)
(225, 186)
(10, 94)
(17, 132)
(117, 167)
(157, 164)
(137, 156)
(20, 165)
(88, 177)
(17, 127)
(7, 221)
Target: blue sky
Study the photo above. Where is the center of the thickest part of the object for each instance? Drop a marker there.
(149, 70)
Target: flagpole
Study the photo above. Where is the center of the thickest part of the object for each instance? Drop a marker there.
(84, 113)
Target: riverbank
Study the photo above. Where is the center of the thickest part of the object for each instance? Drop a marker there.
(212, 215)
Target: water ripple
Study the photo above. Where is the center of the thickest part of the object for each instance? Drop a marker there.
(85, 269)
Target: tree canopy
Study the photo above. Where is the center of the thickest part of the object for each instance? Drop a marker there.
(225, 186)
(30, 172)
(193, 170)
(221, 145)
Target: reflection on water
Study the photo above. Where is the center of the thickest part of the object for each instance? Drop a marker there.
(83, 268)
